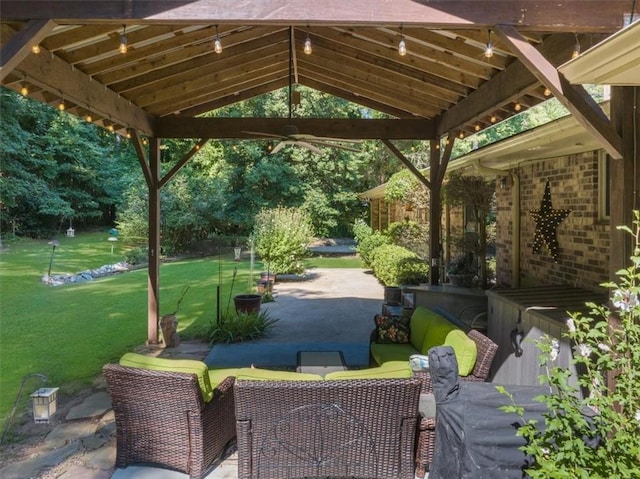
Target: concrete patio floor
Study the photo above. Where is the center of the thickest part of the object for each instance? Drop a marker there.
(331, 307)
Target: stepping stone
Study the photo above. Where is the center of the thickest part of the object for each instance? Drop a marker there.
(103, 458)
(69, 432)
(95, 405)
(32, 466)
(80, 472)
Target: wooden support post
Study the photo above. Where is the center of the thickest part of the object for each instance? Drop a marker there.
(154, 242)
(624, 175)
(435, 212)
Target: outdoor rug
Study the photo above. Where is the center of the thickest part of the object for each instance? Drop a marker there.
(281, 355)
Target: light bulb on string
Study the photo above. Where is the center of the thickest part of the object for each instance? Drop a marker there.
(88, 118)
(547, 92)
(576, 48)
(517, 106)
(217, 44)
(123, 48)
(307, 45)
(24, 90)
(402, 45)
(488, 50)
(35, 48)
(61, 105)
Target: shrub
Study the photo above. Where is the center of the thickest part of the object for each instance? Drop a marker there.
(411, 235)
(280, 237)
(370, 243)
(413, 271)
(597, 436)
(392, 264)
(138, 255)
(361, 230)
(236, 328)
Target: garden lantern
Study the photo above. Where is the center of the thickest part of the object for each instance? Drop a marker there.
(236, 252)
(45, 404)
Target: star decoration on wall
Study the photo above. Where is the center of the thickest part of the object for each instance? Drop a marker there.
(547, 220)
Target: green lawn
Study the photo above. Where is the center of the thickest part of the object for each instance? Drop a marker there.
(68, 332)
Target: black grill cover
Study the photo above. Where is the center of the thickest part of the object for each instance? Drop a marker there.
(474, 439)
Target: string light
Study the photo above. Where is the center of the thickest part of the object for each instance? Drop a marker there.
(110, 127)
(576, 48)
(61, 105)
(88, 118)
(217, 44)
(123, 40)
(517, 106)
(488, 50)
(477, 127)
(128, 134)
(547, 92)
(461, 135)
(24, 90)
(402, 46)
(35, 48)
(493, 119)
(307, 44)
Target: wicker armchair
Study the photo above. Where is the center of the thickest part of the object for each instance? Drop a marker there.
(486, 351)
(162, 419)
(331, 428)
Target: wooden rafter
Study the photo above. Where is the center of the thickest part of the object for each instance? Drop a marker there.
(573, 97)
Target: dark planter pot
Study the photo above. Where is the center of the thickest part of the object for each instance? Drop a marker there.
(247, 303)
(392, 295)
(462, 280)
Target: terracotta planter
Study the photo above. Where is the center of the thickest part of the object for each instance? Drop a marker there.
(264, 286)
(247, 303)
(264, 276)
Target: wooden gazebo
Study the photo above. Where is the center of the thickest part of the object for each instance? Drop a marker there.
(446, 85)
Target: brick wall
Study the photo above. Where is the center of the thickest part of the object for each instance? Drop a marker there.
(583, 239)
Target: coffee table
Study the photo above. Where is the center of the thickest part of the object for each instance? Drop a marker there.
(320, 362)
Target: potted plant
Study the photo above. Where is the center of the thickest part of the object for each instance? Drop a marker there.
(462, 270)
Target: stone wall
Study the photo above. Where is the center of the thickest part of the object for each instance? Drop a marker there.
(583, 238)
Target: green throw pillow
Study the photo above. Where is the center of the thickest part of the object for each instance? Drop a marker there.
(391, 329)
(389, 370)
(272, 375)
(465, 350)
(134, 360)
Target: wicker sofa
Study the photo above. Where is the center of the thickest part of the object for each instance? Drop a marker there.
(165, 416)
(350, 424)
(423, 337)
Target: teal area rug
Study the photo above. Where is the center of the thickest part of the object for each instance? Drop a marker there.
(281, 355)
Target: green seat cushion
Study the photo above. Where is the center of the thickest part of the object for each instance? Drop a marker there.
(418, 326)
(437, 333)
(271, 375)
(383, 353)
(465, 350)
(216, 376)
(190, 366)
(389, 370)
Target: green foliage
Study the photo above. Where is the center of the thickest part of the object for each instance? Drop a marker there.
(57, 169)
(474, 191)
(239, 327)
(393, 265)
(411, 235)
(404, 187)
(137, 255)
(463, 263)
(280, 237)
(597, 436)
(361, 230)
(369, 244)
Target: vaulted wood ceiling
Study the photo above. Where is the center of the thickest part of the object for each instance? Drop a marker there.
(171, 72)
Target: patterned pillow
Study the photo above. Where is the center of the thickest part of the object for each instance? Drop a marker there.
(391, 329)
